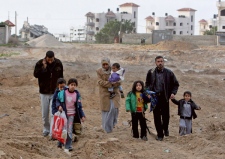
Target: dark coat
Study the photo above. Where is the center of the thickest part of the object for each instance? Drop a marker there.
(180, 104)
(47, 78)
(170, 82)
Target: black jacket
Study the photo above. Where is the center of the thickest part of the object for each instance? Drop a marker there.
(170, 82)
(180, 104)
(47, 78)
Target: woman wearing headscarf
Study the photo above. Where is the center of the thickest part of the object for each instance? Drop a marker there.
(109, 107)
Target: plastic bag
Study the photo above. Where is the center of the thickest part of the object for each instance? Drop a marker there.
(59, 128)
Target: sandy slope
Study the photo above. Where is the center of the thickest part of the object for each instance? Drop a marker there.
(200, 71)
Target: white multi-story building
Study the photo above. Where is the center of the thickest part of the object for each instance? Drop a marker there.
(96, 21)
(221, 22)
(184, 24)
(205, 25)
(77, 33)
(62, 37)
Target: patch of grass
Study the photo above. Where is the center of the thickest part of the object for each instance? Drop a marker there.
(8, 55)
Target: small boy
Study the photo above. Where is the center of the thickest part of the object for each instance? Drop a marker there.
(61, 84)
(186, 111)
(117, 74)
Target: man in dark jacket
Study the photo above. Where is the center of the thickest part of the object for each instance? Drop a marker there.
(162, 81)
(47, 70)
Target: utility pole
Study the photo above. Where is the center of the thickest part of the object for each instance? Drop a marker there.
(15, 24)
(120, 27)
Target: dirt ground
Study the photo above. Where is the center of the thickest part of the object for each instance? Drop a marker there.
(202, 71)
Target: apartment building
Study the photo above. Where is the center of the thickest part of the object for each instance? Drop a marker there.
(184, 24)
(205, 25)
(96, 21)
(77, 33)
(221, 22)
(62, 37)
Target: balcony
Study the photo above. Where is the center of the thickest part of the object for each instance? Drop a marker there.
(90, 33)
(151, 27)
(90, 24)
(169, 27)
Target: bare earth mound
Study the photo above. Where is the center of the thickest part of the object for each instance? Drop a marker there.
(45, 41)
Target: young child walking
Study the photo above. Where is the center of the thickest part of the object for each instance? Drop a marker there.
(186, 111)
(136, 103)
(69, 100)
(117, 74)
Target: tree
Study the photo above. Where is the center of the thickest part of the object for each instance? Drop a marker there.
(212, 31)
(111, 30)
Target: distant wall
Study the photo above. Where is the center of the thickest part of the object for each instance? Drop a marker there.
(2, 35)
(136, 38)
(197, 39)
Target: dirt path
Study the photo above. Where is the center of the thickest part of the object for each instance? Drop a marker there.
(200, 71)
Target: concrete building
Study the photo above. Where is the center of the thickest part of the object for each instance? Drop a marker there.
(96, 21)
(221, 22)
(77, 33)
(205, 25)
(62, 37)
(5, 31)
(29, 32)
(184, 24)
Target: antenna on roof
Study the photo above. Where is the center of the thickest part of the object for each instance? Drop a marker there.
(27, 19)
(8, 15)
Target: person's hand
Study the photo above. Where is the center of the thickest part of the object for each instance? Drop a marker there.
(44, 63)
(83, 119)
(127, 110)
(60, 108)
(172, 96)
(149, 96)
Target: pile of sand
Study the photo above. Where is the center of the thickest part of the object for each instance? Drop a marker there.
(45, 41)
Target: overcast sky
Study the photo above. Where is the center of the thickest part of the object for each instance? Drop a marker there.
(59, 15)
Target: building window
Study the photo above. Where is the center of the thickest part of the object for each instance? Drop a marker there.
(204, 26)
(187, 31)
(157, 23)
(166, 23)
(134, 14)
(191, 27)
(222, 13)
(174, 24)
(174, 32)
(181, 32)
(223, 27)
(97, 28)
(187, 23)
(192, 18)
(210, 26)
(191, 34)
(97, 19)
(181, 24)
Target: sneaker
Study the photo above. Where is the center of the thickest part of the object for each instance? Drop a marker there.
(59, 145)
(112, 95)
(144, 138)
(45, 134)
(70, 148)
(166, 133)
(121, 94)
(159, 138)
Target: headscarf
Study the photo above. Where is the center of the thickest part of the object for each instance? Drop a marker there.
(106, 60)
